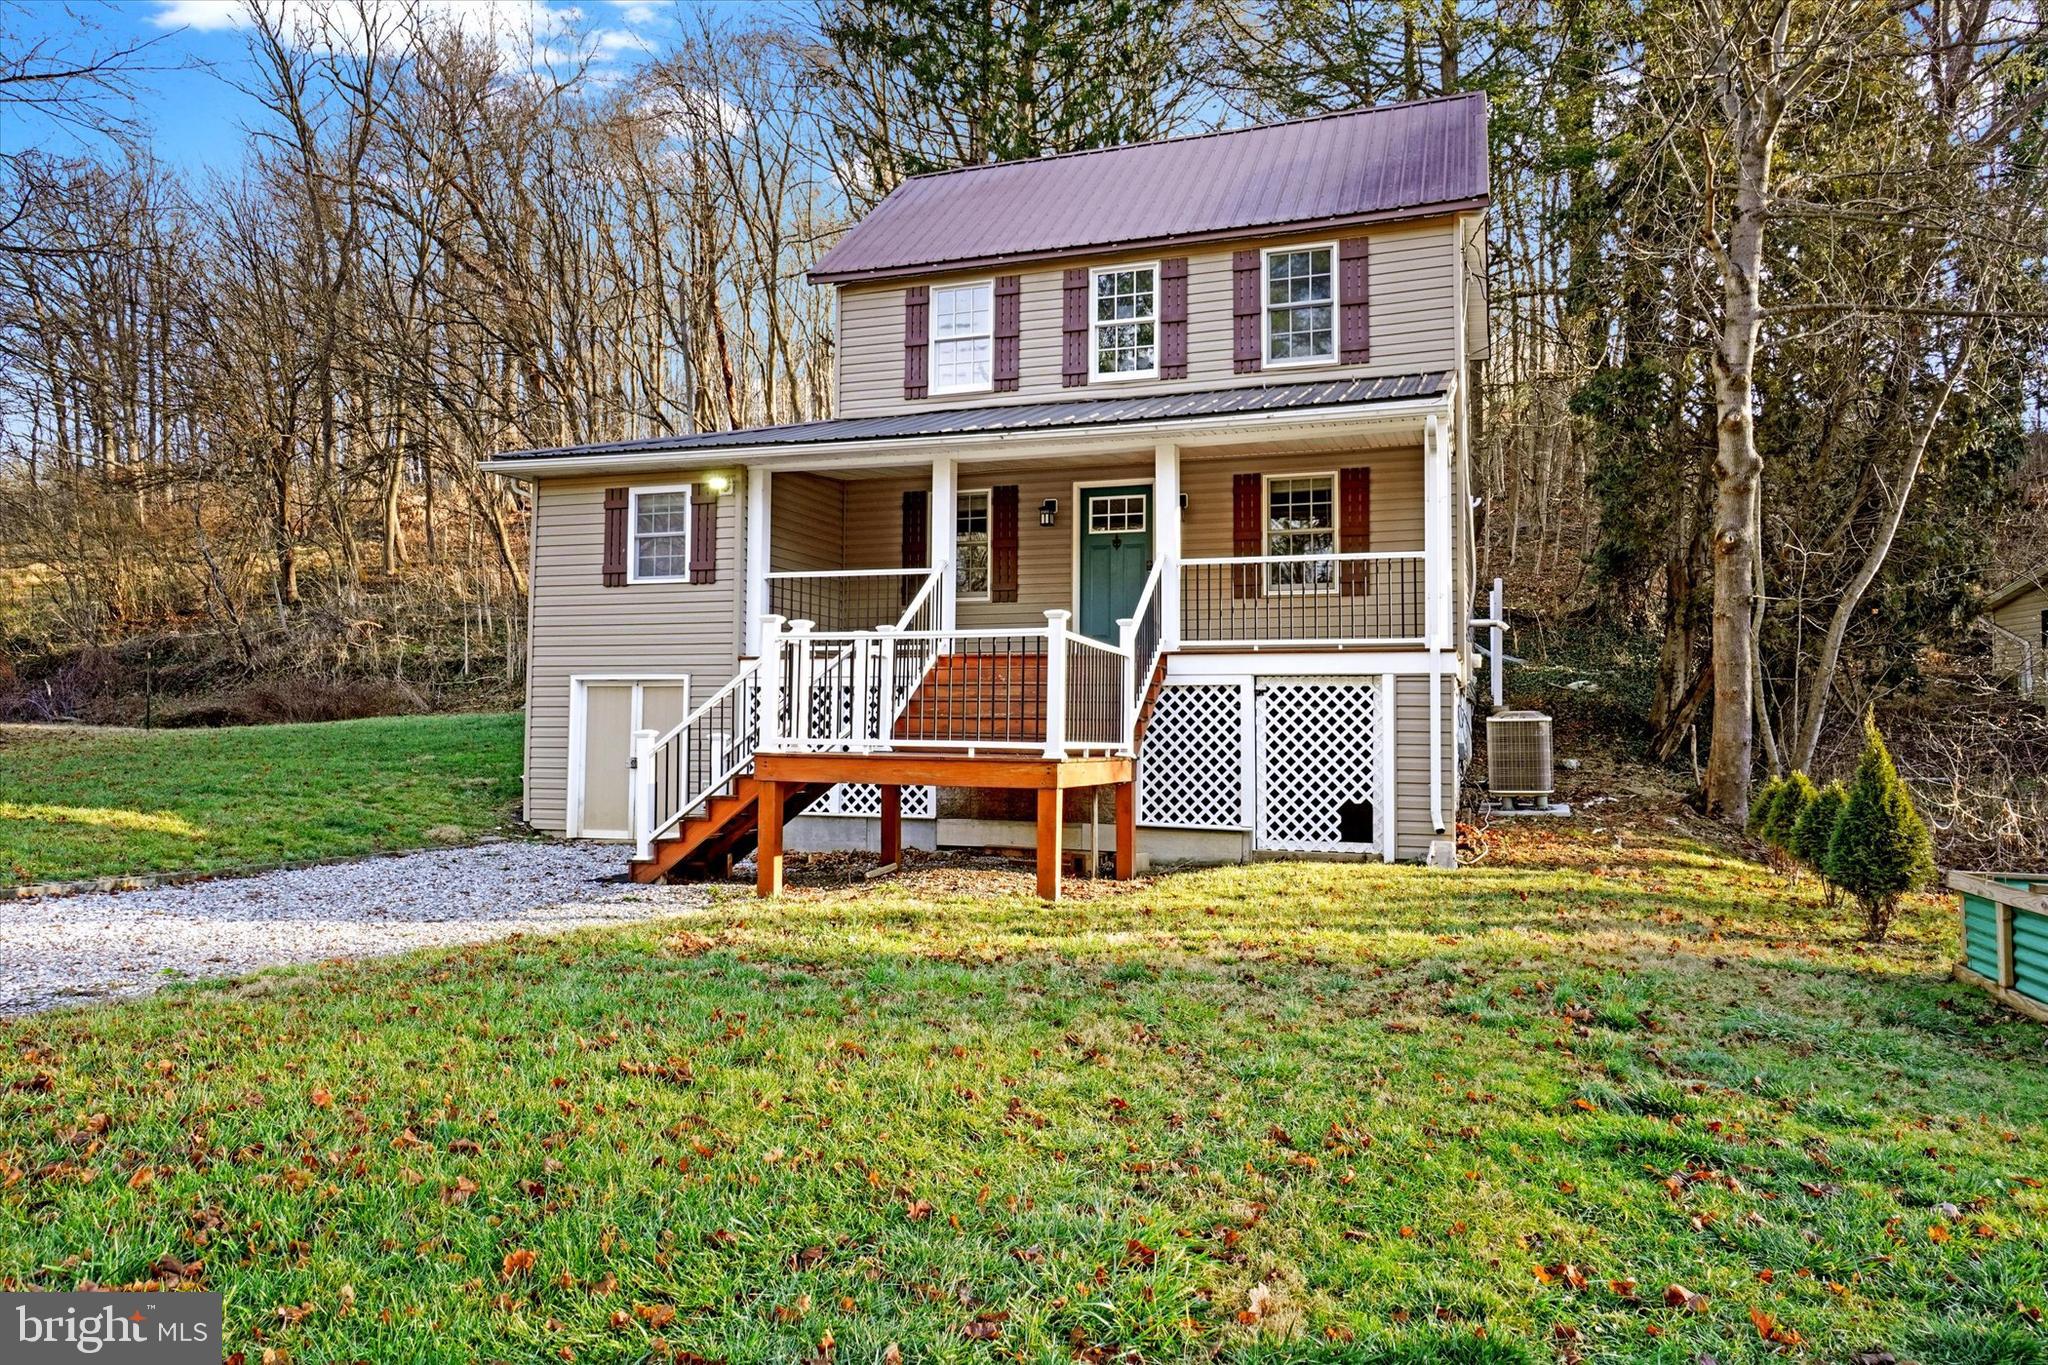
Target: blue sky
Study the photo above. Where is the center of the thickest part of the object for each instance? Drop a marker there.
(190, 103)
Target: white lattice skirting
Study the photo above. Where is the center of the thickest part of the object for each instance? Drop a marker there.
(865, 799)
(1192, 772)
(1318, 774)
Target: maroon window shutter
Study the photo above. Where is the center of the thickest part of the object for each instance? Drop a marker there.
(1247, 532)
(1354, 291)
(917, 311)
(1354, 528)
(1173, 318)
(1074, 324)
(615, 537)
(1244, 306)
(1009, 326)
(703, 534)
(1002, 543)
(916, 536)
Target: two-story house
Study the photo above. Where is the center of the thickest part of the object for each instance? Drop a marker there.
(1150, 473)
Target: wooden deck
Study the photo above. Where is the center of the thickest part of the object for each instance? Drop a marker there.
(780, 773)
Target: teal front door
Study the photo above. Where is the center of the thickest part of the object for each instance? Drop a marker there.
(1116, 554)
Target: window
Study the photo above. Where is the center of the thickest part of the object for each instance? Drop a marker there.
(963, 348)
(1301, 519)
(970, 545)
(1301, 305)
(660, 521)
(1116, 512)
(1127, 323)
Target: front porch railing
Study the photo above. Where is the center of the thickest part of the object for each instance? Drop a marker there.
(847, 599)
(1264, 601)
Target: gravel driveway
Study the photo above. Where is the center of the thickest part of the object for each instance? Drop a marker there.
(78, 948)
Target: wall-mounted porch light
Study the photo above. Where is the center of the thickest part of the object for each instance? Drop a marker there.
(718, 483)
(1048, 511)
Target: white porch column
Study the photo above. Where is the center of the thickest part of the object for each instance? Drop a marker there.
(1166, 540)
(1436, 534)
(759, 482)
(940, 536)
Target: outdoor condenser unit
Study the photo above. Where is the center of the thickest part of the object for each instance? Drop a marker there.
(1518, 755)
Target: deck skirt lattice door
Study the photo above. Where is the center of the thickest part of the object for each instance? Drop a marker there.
(1192, 771)
(1318, 764)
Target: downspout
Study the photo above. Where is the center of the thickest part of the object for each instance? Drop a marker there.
(1432, 449)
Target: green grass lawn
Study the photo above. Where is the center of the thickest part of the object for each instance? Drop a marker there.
(94, 803)
(1279, 1113)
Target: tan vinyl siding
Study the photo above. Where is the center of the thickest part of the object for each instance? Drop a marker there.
(2022, 616)
(1414, 270)
(806, 517)
(580, 626)
(1413, 830)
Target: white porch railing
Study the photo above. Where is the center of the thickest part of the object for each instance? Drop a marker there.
(675, 773)
(846, 599)
(1282, 601)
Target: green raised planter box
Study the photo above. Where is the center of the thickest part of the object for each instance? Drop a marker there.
(2005, 936)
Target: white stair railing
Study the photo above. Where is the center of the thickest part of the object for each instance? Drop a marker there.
(675, 773)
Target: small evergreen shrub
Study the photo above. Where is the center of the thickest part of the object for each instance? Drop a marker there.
(1760, 809)
(1816, 826)
(1793, 798)
(1880, 848)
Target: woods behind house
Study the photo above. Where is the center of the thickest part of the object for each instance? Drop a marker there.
(1766, 290)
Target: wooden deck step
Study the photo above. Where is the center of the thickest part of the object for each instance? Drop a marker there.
(705, 846)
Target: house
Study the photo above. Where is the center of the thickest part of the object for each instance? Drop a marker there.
(2018, 614)
(1151, 473)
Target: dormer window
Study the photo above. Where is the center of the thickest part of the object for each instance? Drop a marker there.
(963, 318)
(1126, 322)
(1301, 305)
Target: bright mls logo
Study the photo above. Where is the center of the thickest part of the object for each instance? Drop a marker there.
(122, 1329)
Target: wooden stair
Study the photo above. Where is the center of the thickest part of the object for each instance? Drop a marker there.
(705, 846)
(978, 698)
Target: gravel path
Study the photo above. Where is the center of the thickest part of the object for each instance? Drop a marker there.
(79, 948)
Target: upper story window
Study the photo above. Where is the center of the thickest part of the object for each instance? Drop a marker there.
(1301, 519)
(1301, 305)
(963, 347)
(970, 545)
(1126, 322)
(660, 522)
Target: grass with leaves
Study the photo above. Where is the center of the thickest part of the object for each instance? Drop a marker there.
(1596, 1099)
(98, 803)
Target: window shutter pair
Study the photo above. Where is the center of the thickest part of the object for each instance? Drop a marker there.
(917, 335)
(1248, 344)
(1002, 539)
(703, 535)
(1248, 531)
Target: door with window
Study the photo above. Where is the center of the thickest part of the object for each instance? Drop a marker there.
(1116, 554)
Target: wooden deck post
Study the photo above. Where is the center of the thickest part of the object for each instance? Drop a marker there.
(892, 825)
(1126, 831)
(768, 851)
(1051, 825)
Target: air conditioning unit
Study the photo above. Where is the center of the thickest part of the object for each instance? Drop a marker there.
(1518, 755)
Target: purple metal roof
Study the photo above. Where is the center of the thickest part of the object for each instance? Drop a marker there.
(1394, 160)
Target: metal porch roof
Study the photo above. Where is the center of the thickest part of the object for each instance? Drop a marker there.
(1071, 413)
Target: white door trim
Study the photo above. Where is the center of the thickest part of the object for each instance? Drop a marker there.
(579, 700)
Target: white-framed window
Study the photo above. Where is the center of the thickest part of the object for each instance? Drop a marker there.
(963, 337)
(1301, 519)
(658, 524)
(1116, 512)
(1301, 305)
(1125, 321)
(970, 545)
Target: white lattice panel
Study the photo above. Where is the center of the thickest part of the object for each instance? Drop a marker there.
(1191, 773)
(1317, 747)
(865, 798)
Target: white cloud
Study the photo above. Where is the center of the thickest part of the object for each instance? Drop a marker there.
(538, 31)
(635, 12)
